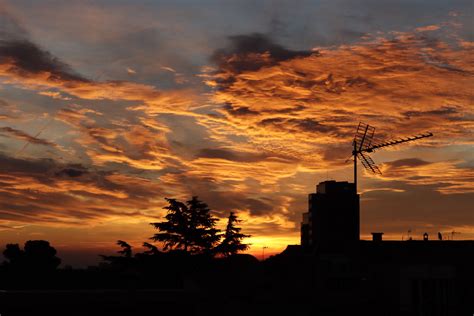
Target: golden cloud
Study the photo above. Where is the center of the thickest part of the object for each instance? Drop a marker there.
(447, 176)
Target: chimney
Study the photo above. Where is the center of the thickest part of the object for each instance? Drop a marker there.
(377, 236)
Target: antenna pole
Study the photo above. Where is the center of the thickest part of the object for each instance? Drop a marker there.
(354, 153)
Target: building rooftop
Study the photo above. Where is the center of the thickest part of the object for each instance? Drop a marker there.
(335, 187)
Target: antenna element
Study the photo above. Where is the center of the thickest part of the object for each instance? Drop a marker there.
(362, 145)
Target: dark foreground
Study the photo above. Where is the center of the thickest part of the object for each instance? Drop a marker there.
(410, 278)
(155, 302)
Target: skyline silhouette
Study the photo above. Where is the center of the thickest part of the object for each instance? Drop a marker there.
(105, 113)
(273, 157)
(198, 270)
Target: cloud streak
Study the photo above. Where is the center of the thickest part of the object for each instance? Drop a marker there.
(25, 136)
(24, 63)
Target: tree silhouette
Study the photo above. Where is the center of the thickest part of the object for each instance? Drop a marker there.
(126, 254)
(41, 255)
(189, 227)
(174, 231)
(203, 233)
(38, 255)
(152, 250)
(14, 254)
(232, 242)
(126, 249)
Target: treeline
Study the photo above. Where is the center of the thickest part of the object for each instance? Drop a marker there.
(191, 228)
(187, 246)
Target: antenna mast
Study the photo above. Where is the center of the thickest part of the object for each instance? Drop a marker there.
(362, 144)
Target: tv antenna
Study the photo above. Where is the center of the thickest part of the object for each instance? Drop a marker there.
(263, 252)
(362, 145)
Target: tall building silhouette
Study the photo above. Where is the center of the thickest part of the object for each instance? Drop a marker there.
(419, 276)
(332, 220)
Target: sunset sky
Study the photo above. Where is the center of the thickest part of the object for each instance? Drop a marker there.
(107, 107)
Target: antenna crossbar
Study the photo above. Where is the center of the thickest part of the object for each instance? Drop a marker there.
(398, 141)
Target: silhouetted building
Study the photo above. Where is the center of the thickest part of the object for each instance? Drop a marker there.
(332, 220)
(414, 277)
(377, 236)
(306, 242)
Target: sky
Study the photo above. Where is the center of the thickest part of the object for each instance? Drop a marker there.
(109, 107)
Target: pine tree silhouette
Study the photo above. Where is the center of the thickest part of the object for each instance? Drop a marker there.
(189, 227)
(232, 242)
(152, 250)
(203, 233)
(126, 249)
(174, 232)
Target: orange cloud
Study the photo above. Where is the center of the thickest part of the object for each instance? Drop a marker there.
(42, 191)
(24, 63)
(407, 84)
(427, 28)
(55, 95)
(447, 176)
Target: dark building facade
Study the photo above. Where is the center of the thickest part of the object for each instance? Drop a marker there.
(332, 220)
(412, 277)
